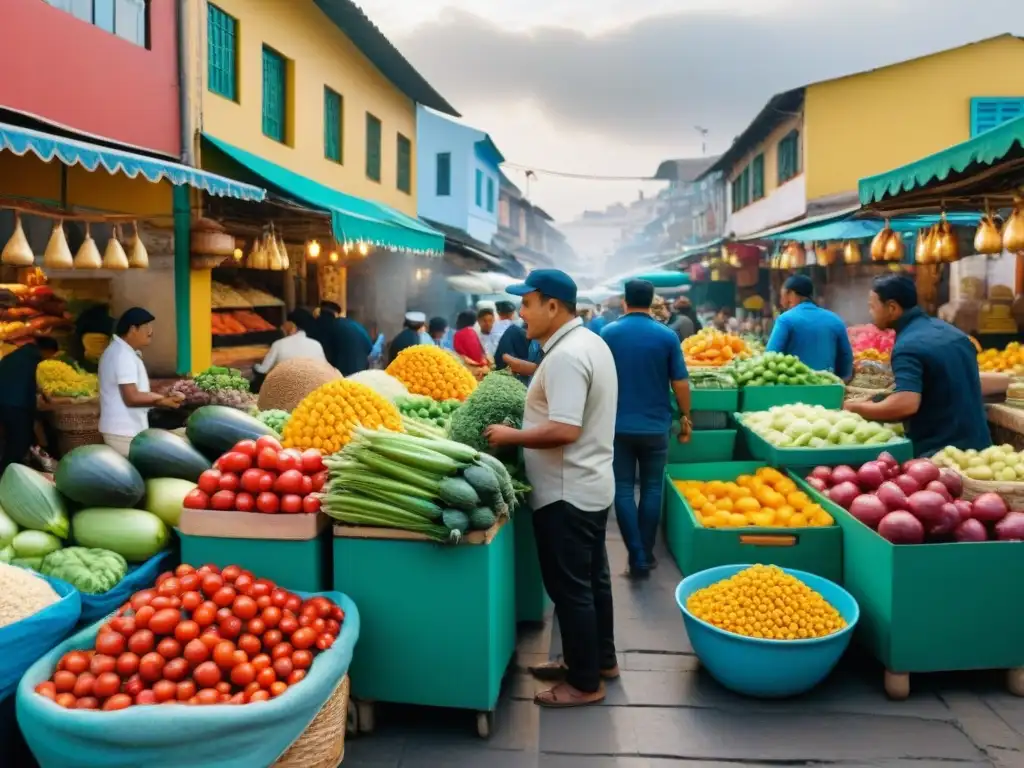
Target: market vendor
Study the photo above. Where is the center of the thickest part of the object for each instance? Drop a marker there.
(814, 334)
(409, 336)
(346, 343)
(18, 397)
(938, 389)
(125, 399)
(296, 343)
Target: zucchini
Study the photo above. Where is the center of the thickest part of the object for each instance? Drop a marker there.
(396, 470)
(456, 521)
(134, 534)
(458, 451)
(456, 492)
(32, 501)
(486, 484)
(355, 510)
(481, 519)
(508, 493)
(416, 458)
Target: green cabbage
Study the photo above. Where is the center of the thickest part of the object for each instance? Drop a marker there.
(92, 571)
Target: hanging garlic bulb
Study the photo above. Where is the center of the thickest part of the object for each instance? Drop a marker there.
(114, 257)
(139, 258)
(17, 252)
(88, 256)
(58, 254)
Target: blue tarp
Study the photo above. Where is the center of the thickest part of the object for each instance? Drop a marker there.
(47, 147)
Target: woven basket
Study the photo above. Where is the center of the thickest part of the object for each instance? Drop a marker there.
(81, 416)
(68, 441)
(859, 394)
(1012, 493)
(322, 744)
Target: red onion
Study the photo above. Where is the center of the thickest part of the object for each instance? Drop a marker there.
(901, 527)
(869, 509)
(970, 530)
(953, 482)
(888, 459)
(989, 508)
(822, 473)
(948, 520)
(844, 494)
(964, 507)
(1011, 527)
(937, 486)
(844, 474)
(926, 506)
(908, 484)
(923, 471)
(892, 496)
(871, 476)
(817, 484)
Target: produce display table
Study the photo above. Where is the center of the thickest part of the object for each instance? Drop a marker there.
(1006, 424)
(291, 550)
(696, 548)
(921, 608)
(763, 398)
(705, 444)
(532, 601)
(855, 455)
(438, 622)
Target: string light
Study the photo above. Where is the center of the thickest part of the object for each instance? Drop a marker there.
(363, 249)
(313, 249)
(237, 254)
(334, 257)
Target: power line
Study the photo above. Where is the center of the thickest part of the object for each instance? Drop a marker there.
(583, 176)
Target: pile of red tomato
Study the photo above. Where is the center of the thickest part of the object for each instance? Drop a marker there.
(201, 636)
(261, 476)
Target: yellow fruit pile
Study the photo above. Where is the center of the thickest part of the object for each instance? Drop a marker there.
(712, 348)
(871, 354)
(429, 370)
(1009, 360)
(766, 499)
(58, 379)
(326, 417)
(766, 602)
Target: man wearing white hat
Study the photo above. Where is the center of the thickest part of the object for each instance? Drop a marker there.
(410, 335)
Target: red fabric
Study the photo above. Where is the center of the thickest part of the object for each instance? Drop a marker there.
(467, 343)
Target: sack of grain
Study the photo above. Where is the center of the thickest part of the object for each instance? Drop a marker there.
(289, 382)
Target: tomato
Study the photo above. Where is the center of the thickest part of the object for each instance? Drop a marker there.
(176, 670)
(84, 684)
(250, 480)
(271, 616)
(209, 481)
(151, 667)
(186, 631)
(142, 598)
(87, 702)
(164, 621)
(183, 570)
(296, 676)
(231, 627)
(206, 674)
(238, 698)
(256, 627)
(263, 587)
(164, 690)
(222, 500)
(267, 481)
(47, 689)
(197, 498)
(196, 652)
(224, 596)
(117, 701)
(99, 664)
(224, 654)
(291, 504)
(133, 686)
(169, 648)
(161, 602)
(267, 459)
(293, 603)
(332, 627)
(243, 674)
(211, 637)
(302, 659)
(205, 614)
(310, 505)
(307, 486)
(319, 480)
(186, 690)
(110, 643)
(127, 664)
(266, 441)
(283, 667)
(267, 503)
(189, 582)
(263, 601)
(324, 641)
(66, 700)
(250, 644)
(259, 696)
(106, 685)
(276, 689)
(271, 638)
(208, 696)
(281, 649)
(236, 462)
(247, 447)
(312, 461)
(123, 625)
(251, 688)
(222, 687)
(289, 481)
(244, 583)
(260, 661)
(206, 568)
(224, 613)
(212, 583)
(229, 482)
(142, 617)
(75, 662)
(288, 623)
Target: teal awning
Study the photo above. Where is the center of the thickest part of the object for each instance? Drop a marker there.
(845, 226)
(1003, 143)
(353, 219)
(46, 147)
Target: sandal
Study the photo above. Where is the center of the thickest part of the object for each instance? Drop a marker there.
(563, 696)
(555, 671)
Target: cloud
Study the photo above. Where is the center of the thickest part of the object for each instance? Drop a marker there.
(651, 81)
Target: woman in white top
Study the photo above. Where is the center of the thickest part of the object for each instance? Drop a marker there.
(125, 398)
(296, 343)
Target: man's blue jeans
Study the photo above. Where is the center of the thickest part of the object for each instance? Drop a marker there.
(647, 454)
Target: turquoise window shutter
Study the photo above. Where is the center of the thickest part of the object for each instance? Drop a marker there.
(274, 97)
(221, 53)
(989, 113)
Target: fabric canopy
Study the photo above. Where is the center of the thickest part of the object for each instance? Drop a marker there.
(983, 151)
(847, 227)
(90, 156)
(661, 279)
(353, 219)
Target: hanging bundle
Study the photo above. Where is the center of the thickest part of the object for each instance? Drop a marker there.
(139, 258)
(58, 254)
(17, 252)
(88, 256)
(945, 246)
(114, 257)
(880, 241)
(894, 249)
(1013, 231)
(851, 253)
(987, 238)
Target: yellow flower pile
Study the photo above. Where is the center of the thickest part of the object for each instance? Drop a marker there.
(58, 379)
(429, 370)
(766, 499)
(327, 416)
(766, 602)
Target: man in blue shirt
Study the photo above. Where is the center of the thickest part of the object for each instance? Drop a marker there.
(815, 335)
(649, 364)
(938, 387)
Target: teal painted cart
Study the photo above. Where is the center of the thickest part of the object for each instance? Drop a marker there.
(532, 601)
(437, 622)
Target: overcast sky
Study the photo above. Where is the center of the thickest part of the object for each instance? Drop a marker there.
(609, 87)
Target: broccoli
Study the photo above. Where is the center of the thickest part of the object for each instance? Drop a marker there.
(500, 399)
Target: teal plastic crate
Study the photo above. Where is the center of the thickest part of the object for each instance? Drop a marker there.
(855, 455)
(437, 622)
(706, 445)
(763, 398)
(532, 601)
(714, 399)
(304, 566)
(696, 548)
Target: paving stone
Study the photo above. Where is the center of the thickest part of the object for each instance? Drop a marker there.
(589, 731)
(647, 661)
(465, 757)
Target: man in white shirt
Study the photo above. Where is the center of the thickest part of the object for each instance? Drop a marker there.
(125, 398)
(506, 318)
(296, 343)
(567, 439)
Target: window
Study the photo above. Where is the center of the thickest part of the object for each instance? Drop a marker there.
(221, 53)
(490, 194)
(372, 147)
(788, 156)
(987, 114)
(757, 178)
(444, 174)
(404, 182)
(479, 197)
(741, 190)
(274, 95)
(333, 133)
(128, 19)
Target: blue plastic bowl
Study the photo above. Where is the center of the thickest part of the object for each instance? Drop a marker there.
(766, 669)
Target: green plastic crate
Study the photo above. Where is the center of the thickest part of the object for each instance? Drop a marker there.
(713, 400)
(763, 398)
(696, 548)
(532, 599)
(705, 445)
(298, 565)
(933, 607)
(437, 622)
(855, 455)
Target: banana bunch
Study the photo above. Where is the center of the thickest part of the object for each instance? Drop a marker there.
(93, 345)
(58, 379)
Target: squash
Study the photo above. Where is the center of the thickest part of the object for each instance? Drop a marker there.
(139, 258)
(481, 518)
(159, 453)
(456, 492)
(58, 255)
(165, 498)
(134, 534)
(215, 429)
(114, 257)
(32, 501)
(17, 252)
(98, 476)
(88, 256)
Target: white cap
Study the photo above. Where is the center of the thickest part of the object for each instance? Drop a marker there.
(415, 317)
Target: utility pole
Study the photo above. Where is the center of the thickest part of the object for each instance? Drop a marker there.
(703, 139)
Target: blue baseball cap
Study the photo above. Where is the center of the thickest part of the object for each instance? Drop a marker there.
(553, 283)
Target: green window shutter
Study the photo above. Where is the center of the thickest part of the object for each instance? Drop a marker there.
(332, 125)
(479, 188)
(221, 53)
(788, 156)
(987, 114)
(444, 174)
(274, 96)
(490, 194)
(373, 132)
(404, 181)
(757, 178)
(745, 187)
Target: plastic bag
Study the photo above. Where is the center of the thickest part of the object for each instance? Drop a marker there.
(25, 641)
(95, 607)
(216, 736)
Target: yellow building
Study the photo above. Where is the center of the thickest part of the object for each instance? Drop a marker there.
(308, 98)
(806, 150)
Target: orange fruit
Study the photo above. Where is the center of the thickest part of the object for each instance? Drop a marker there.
(738, 521)
(747, 505)
(724, 503)
(785, 486)
(797, 499)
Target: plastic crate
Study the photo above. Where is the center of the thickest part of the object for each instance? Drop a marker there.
(696, 548)
(710, 419)
(713, 399)
(706, 445)
(304, 566)
(763, 398)
(855, 455)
